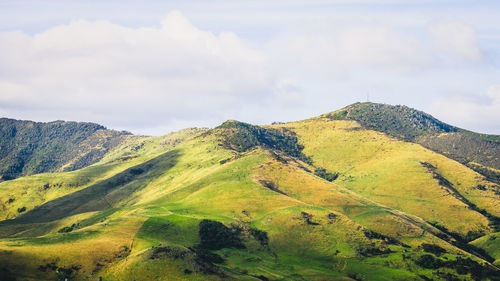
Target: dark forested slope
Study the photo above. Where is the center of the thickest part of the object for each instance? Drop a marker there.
(28, 147)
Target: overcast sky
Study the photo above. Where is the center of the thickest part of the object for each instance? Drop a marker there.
(152, 67)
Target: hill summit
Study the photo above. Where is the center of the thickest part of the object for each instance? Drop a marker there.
(396, 120)
(479, 152)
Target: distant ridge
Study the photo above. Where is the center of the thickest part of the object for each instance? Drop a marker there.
(28, 147)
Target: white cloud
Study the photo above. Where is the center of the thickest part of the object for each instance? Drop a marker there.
(474, 112)
(337, 50)
(288, 92)
(172, 74)
(457, 39)
(109, 73)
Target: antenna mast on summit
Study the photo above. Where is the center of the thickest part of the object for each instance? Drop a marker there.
(367, 96)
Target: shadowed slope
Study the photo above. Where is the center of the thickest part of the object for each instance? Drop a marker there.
(23, 194)
(102, 195)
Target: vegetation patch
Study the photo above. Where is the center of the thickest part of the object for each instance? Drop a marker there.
(215, 236)
(464, 147)
(462, 243)
(490, 174)
(431, 248)
(373, 251)
(395, 120)
(388, 240)
(66, 229)
(260, 236)
(161, 252)
(242, 137)
(62, 273)
(308, 218)
(322, 173)
(461, 265)
(6, 274)
(271, 185)
(195, 260)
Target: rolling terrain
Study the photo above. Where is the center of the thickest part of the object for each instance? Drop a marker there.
(368, 192)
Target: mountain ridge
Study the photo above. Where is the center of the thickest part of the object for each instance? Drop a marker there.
(28, 147)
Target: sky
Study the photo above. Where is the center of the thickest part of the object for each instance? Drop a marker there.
(153, 67)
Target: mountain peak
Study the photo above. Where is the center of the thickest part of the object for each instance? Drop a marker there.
(396, 120)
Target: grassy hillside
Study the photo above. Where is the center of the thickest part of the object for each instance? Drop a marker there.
(400, 175)
(28, 147)
(319, 199)
(21, 195)
(491, 245)
(412, 125)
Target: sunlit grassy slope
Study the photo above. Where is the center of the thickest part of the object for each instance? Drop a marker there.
(23, 194)
(491, 245)
(402, 122)
(243, 202)
(400, 175)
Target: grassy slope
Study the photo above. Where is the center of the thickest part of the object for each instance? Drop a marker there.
(29, 192)
(164, 205)
(390, 172)
(466, 147)
(491, 244)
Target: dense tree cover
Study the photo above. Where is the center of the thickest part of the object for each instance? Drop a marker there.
(28, 147)
(243, 136)
(322, 173)
(396, 120)
(215, 235)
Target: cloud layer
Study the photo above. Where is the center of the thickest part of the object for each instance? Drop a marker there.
(172, 74)
(335, 50)
(136, 75)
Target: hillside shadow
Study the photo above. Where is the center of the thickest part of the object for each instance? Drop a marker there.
(102, 195)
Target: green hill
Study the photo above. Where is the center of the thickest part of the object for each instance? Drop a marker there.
(319, 199)
(28, 147)
(408, 124)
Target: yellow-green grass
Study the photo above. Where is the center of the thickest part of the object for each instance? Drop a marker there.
(25, 193)
(226, 196)
(163, 205)
(297, 183)
(491, 244)
(139, 268)
(389, 171)
(89, 248)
